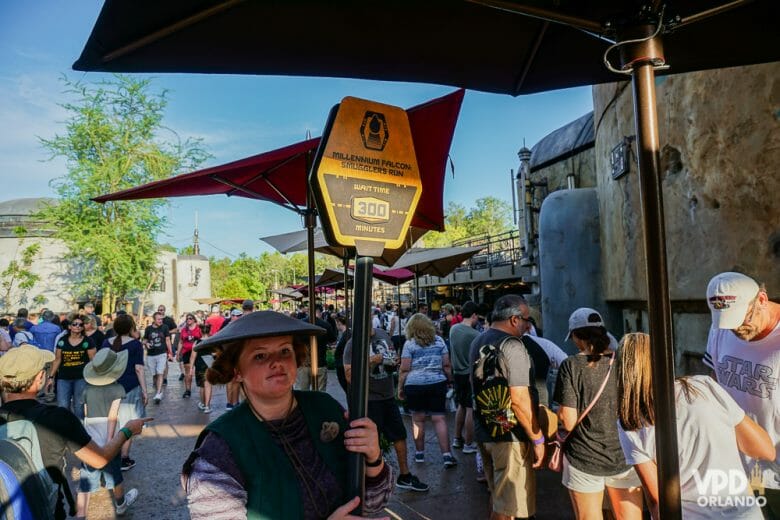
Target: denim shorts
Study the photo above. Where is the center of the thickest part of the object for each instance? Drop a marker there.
(89, 479)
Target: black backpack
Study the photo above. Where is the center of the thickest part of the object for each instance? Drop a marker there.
(492, 402)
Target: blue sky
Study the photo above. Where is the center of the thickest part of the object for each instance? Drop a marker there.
(237, 116)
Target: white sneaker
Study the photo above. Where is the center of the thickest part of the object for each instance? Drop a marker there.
(157, 398)
(206, 409)
(470, 448)
(130, 497)
(201, 406)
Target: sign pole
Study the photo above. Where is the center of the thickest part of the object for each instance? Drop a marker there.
(366, 182)
(358, 391)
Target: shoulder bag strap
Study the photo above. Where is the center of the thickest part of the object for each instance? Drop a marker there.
(595, 399)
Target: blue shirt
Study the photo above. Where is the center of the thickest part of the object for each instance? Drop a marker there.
(427, 363)
(45, 333)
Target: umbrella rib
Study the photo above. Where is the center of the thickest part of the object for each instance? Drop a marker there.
(272, 169)
(542, 14)
(712, 12)
(253, 193)
(529, 61)
(167, 31)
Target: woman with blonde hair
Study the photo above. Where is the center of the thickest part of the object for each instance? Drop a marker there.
(712, 430)
(424, 375)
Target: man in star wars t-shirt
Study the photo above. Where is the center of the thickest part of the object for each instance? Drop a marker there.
(743, 349)
(157, 340)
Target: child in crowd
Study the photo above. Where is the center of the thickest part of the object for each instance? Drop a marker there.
(101, 409)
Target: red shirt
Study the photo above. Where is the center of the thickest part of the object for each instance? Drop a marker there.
(215, 321)
(188, 338)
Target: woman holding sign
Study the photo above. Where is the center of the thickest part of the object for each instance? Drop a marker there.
(281, 453)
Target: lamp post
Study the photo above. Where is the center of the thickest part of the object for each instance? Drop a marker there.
(276, 286)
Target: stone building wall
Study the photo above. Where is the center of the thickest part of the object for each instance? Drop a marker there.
(720, 139)
(582, 165)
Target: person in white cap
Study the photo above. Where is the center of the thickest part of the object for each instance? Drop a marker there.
(101, 401)
(587, 392)
(22, 375)
(743, 350)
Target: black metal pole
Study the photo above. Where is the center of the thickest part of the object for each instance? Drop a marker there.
(310, 218)
(358, 390)
(659, 307)
(347, 305)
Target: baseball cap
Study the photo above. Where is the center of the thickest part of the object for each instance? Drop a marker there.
(248, 305)
(584, 317)
(729, 296)
(24, 362)
(236, 312)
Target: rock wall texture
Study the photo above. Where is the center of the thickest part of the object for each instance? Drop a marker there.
(720, 150)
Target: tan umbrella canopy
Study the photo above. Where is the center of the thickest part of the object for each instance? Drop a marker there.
(288, 292)
(213, 300)
(295, 241)
(435, 261)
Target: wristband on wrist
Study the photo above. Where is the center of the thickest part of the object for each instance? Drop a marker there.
(126, 431)
(376, 463)
(538, 441)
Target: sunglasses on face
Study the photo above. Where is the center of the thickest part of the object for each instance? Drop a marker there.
(77, 324)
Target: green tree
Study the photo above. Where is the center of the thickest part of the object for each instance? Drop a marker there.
(489, 216)
(17, 279)
(113, 139)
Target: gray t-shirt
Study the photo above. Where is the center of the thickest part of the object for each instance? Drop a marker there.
(98, 401)
(380, 381)
(520, 373)
(99, 398)
(594, 445)
(461, 336)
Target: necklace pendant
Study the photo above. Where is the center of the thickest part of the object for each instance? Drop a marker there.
(329, 431)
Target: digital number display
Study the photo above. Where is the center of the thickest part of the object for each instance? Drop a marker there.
(370, 209)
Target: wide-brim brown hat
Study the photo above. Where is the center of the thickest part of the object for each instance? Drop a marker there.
(259, 324)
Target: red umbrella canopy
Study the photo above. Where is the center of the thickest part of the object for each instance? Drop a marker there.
(280, 176)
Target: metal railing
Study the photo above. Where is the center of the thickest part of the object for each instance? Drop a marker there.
(497, 250)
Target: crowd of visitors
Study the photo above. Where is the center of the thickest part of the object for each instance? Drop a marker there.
(488, 365)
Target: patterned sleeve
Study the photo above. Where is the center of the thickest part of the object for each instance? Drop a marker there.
(379, 489)
(212, 483)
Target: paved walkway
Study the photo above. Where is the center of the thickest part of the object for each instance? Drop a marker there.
(166, 442)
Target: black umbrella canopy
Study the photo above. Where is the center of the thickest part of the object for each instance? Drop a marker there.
(486, 45)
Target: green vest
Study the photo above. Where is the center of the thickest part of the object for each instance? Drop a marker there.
(271, 482)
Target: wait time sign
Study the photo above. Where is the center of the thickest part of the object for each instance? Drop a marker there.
(365, 177)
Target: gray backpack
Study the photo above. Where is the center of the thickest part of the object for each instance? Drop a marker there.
(18, 437)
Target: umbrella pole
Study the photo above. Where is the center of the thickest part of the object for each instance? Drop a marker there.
(347, 306)
(310, 217)
(358, 390)
(658, 302)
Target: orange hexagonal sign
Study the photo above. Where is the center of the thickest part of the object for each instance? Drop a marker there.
(365, 177)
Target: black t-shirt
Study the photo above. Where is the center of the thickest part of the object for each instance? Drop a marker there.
(593, 446)
(73, 357)
(59, 432)
(324, 340)
(97, 338)
(156, 338)
(168, 322)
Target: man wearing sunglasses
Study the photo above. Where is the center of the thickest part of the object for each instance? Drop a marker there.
(743, 349)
